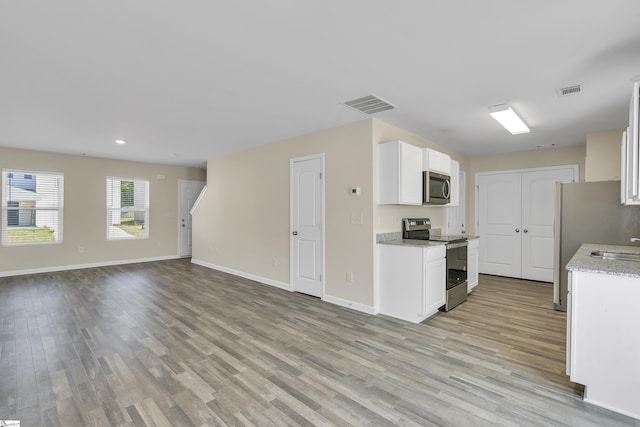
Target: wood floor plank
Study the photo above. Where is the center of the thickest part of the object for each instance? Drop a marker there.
(173, 343)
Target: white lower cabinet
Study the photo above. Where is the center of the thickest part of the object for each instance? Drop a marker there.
(411, 281)
(603, 339)
(472, 263)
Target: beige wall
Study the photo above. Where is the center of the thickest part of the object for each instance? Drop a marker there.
(603, 155)
(85, 211)
(520, 160)
(254, 184)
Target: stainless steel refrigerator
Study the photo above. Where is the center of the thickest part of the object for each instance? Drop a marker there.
(588, 212)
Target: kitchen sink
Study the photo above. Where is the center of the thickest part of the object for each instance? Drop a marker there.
(618, 256)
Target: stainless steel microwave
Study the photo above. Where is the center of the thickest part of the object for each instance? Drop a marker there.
(436, 188)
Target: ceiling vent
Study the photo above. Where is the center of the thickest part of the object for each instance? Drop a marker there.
(370, 104)
(569, 90)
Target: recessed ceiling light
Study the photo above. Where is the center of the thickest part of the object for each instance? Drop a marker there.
(120, 141)
(175, 155)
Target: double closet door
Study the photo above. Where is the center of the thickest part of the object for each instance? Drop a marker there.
(515, 221)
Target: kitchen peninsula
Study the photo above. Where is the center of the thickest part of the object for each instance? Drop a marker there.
(603, 326)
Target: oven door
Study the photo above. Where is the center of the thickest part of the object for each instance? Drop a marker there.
(456, 263)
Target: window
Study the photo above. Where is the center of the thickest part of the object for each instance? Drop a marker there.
(127, 208)
(32, 205)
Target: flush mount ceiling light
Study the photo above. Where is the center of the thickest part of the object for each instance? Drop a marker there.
(508, 118)
(120, 141)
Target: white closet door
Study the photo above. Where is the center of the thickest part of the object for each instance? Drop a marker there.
(538, 200)
(499, 216)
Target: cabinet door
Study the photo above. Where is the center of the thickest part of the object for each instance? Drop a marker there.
(436, 161)
(399, 174)
(455, 184)
(400, 281)
(628, 170)
(570, 334)
(410, 174)
(623, 168)
(472, 263)
(633, 149)
(435, 279)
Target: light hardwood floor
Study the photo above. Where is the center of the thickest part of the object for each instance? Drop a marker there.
(174, 344)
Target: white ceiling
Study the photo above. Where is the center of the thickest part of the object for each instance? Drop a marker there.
(199, 79)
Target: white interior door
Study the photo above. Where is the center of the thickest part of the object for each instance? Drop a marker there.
(538, 207)
(499, 217)
(307, 225)
(456, 214)
(189, 192)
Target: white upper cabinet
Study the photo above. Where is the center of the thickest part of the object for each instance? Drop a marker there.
(455, 183)
(629, 171)
(399, 174)
(436, 161)
(630, 167)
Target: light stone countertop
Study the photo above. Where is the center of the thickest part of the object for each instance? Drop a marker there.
(410, 242)
(583, 261)
(397, 240)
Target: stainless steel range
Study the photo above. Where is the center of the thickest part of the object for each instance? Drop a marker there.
(456, 286)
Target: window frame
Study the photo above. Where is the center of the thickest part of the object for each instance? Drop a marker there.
(9, 173)
(110, 209)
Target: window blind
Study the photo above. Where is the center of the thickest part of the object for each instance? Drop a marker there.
(127, 208)
(32, 207)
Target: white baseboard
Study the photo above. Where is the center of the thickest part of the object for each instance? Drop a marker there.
(81, 266)
(327, 298)
(350, 304)
(249, 276)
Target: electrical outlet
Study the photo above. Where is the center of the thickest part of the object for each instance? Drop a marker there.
(350, 276)
(274, 262)
(81, 249)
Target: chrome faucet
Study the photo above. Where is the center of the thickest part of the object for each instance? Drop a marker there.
(635, 239)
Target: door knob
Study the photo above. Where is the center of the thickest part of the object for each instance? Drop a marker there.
(517, 230)
(295, 233)
(525, 230)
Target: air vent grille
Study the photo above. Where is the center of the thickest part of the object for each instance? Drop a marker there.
(370, 104)
(569, 90)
